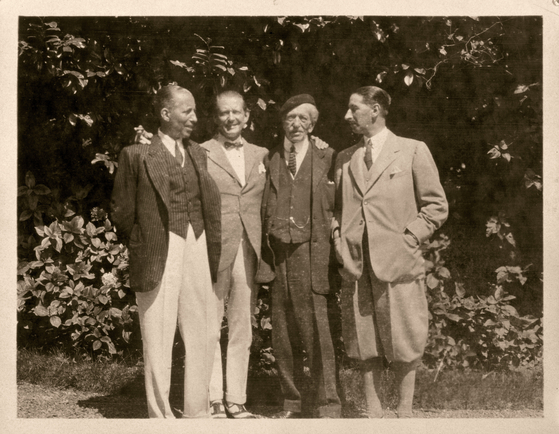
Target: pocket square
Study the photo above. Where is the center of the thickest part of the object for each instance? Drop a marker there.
(261, 168)
(395, 170)
(330, 182)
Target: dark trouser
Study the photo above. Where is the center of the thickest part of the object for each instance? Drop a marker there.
(300, 323)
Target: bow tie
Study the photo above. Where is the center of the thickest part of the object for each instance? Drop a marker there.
(229, 145)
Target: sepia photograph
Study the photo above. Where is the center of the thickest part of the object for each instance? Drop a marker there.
(281, 213)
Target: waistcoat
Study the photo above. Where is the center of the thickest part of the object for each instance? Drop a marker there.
(292, 222)
(184, 198)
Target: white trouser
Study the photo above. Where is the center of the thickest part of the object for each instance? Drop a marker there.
(236, 285)
(185, 293)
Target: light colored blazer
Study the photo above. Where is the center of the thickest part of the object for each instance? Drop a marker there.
(240, 205)
(403, 193)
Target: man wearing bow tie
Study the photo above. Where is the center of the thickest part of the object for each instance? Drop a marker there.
(297, 208)
(167, 208)
(389, 200)
(237, 168)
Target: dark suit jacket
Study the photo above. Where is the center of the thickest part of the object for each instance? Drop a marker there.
(323, 191)
(140, 204)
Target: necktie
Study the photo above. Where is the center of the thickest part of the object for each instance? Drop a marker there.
(292, 160)
(368, 154)
(178, 153)
(229, 145)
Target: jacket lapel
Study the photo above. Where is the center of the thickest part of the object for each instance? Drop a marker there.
(217, 155)
(195, 152)
(157, 168)
(275, 166)
(318, 164)
(356, 168)
(250, 162)
(388, 154)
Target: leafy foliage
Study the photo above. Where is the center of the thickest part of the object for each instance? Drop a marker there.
(470, 87)
(74, 294)
(477, 331)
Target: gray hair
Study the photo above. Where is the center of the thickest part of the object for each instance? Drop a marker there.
(312, 110)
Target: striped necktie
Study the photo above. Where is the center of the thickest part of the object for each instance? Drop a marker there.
(178, 153)
(293, 161)
(368, 154)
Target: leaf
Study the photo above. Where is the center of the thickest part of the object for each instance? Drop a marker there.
(432, 281)
(96, 345)
(444, 273)
(25, 215)
(55, 321)
(408, 79)
(32, 201)
(459, 288)
(380, 76)
(41, 189)
(41, 311)
(24, 189)
(261, 103)
(494, 152)
(453, 317)
(510, 238)
(178, 63)
(29, 180)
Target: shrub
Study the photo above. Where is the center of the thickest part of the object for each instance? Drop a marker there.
(482, 331)
(75, 293)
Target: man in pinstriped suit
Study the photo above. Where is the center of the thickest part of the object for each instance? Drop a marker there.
(167, 208)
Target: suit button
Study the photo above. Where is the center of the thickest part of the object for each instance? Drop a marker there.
(361, 222)
(365, 203)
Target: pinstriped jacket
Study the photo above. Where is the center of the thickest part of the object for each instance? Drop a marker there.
(139, 209)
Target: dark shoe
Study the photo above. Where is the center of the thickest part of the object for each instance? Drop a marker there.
(238, 411)
(286, 414)
(217, 410)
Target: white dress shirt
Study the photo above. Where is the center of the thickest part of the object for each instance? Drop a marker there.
(169, 143)
(236, 156)
(377, 142)
(300, 151)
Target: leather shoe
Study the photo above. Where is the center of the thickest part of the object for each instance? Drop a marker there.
(286, 414)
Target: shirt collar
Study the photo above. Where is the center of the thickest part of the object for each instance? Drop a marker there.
(299, 147)
(221, 139)
(379, 138)
(169, 142)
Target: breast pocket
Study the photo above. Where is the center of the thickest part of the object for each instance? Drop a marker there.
(399, 174)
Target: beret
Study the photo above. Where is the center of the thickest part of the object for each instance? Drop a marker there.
(296, 101)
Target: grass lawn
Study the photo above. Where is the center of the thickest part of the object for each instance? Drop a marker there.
(454, 394)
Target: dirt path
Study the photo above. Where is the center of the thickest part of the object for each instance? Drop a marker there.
(35, 401)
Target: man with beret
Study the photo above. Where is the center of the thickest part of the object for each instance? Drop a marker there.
(297, 209)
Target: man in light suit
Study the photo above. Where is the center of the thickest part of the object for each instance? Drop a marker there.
(389, 200)
(297, 208)
(166, 206)
(237, 168)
